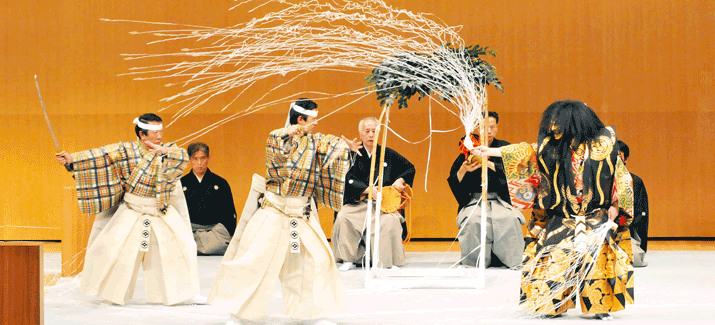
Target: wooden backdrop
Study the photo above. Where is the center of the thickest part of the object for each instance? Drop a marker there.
(643, 66)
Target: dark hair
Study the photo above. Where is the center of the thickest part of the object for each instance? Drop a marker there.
(198, 146)
(305, 104)
(144, 119)
(577, 123)
(622, 146)
(495, 115)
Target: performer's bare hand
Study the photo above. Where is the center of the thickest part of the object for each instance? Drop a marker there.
(369, 189)
(483, 151)
(64, 158)
(399, 184)
(470, 167)
(295, 129)
(612, 213)
(156, 147)
(354, 145)
(480, 151)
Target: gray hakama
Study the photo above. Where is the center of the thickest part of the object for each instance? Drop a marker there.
(504, 235)
(348, 241)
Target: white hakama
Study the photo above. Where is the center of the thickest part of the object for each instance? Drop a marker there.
(311, 284)
(137, 234)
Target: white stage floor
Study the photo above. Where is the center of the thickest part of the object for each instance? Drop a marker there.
(676, 287)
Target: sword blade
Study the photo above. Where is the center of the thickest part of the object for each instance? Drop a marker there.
(47, 118)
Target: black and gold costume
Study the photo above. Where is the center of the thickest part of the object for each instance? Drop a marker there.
(562, 214)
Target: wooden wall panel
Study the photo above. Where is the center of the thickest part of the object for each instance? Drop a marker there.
(643, 66)
(22, 283)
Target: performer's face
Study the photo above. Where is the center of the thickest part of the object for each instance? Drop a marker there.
(199, 162)
(492, 128)
(368, 134)
(152, 136)
(558, 133)
(308, 124)
(622, 156)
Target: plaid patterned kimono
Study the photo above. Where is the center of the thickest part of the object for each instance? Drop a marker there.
(557, 214)
(139, 208)
(298, 169)
(103, 174)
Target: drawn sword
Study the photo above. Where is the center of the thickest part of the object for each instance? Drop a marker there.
(49, 125)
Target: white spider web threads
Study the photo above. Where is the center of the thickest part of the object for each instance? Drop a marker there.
(562, 278)
(341, 36)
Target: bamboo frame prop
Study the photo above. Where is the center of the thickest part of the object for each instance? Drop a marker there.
(380, 181)
(369, 212)
(375, 277)
(484, 138)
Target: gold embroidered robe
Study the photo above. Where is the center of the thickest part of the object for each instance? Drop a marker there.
(560, 205)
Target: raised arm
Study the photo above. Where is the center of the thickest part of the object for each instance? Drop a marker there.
(483, 151)
(100, 175)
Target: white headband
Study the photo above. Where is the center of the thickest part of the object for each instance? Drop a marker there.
(313, 113)
(152, 127)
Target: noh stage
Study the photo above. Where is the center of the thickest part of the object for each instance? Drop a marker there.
(676, 286)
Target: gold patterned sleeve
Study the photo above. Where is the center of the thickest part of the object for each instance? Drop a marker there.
(624, 189)
(539, 219)
(522, 174)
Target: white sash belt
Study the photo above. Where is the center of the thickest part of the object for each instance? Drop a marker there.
(293, 207)
(147, 207)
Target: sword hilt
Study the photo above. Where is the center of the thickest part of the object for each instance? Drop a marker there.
(67, 165)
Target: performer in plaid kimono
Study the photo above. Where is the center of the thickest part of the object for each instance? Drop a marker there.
(283, 239)
(142, 219)
(577, 187)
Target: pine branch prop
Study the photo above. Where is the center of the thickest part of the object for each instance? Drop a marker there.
(445, 73)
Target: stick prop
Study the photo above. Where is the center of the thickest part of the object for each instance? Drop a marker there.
(49, 125)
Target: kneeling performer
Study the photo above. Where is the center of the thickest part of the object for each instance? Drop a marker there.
(348, 231)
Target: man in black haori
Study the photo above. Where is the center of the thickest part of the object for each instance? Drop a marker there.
(210, 202)
(347, 239)
(505, 239)
(639, 226)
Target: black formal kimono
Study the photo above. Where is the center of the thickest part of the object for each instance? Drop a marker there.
(357, 179)
(211, 210)
(471, 183)
(639, 226)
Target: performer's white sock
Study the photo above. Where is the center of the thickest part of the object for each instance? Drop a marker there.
(346, 266)
(233, 321)
(196, 300)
